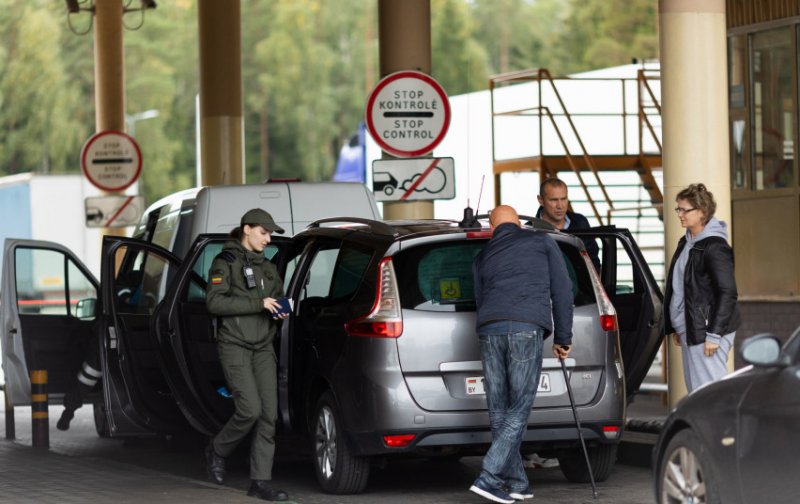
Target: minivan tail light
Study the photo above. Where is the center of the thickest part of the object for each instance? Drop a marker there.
(385, 319)
(398, 441)
(608, 315)
(611, 431)
(608, 322)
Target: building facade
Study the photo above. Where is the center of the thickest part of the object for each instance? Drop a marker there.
(763, 42)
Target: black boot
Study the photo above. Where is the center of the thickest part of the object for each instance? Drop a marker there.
(215, 465)
(262, 490)
(66, 417)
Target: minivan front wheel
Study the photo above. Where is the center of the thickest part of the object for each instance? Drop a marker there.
(602, 458)
(338, 470)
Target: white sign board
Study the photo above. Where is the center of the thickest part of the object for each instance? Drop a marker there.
(413, 179)
(408, 114)
(114, 211)
(111, 160)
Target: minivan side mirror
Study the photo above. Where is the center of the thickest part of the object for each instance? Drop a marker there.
(85, 308)
(762, 350)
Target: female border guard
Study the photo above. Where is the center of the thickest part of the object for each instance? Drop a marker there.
(242, 291)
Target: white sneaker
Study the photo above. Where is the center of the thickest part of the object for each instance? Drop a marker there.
(533, 460)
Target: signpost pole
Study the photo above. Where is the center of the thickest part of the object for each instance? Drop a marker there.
(404, 39)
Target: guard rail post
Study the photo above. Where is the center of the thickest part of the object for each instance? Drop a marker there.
(40, 423)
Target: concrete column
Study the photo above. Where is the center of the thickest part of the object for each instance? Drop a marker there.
(109, 74)
(404, 39)
(694, 98)
(221, 120)
(109, 66)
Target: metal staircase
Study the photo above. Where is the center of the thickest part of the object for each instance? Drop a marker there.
(601, 135)
(561, 138)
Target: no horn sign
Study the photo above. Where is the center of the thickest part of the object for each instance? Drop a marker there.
(408, 113)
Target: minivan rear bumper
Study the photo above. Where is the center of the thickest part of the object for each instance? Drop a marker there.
(371, 443)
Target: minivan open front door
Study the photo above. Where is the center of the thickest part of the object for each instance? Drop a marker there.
(633, 291)
(46, 316)
(185, 334)
(135, 276)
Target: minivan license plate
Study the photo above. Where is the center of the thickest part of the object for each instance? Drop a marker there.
(475, 384)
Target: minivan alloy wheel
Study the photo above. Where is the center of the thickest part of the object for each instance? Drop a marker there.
(325, 442)
(339, 470)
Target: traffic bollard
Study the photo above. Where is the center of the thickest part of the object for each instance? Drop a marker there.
(40, 423)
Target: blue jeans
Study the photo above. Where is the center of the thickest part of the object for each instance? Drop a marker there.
(511, 353)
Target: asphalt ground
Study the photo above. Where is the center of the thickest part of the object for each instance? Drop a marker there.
(80, 467)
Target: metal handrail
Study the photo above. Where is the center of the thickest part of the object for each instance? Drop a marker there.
(537, 75)
(586, 157)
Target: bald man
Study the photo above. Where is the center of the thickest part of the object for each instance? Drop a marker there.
(523, 295)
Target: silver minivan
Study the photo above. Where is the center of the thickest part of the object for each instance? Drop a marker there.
(379, 357)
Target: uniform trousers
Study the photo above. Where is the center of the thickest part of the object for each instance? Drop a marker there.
(252, 380)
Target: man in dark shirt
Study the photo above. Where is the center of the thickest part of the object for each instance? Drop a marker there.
(554, 208)
(523, 294)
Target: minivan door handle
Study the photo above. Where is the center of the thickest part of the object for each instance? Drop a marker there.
(13, 330)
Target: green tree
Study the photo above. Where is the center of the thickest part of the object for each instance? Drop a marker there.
(602, 33)
(39, 125)
(459, 61)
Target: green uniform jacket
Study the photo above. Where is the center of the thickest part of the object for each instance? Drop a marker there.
(243, 319)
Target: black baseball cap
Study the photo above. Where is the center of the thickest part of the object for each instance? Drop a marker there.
(259, 217)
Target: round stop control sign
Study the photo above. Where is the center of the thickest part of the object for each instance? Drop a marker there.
(408, 113)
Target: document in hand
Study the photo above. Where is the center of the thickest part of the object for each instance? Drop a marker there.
(286, 306)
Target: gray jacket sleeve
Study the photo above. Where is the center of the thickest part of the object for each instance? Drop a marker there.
(560, 294)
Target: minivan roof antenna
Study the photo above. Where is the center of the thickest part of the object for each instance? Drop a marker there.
(479, 196)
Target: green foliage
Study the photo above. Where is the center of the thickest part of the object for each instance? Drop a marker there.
(39, 119)
(307, 67)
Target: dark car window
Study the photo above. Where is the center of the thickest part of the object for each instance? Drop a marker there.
(336, 273)
(438, 277)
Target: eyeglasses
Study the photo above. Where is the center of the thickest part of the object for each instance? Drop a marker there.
(683, 211)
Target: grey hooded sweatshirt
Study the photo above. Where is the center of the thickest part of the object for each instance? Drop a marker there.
(714, 227)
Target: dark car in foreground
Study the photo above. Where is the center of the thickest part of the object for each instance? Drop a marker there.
(737, 440)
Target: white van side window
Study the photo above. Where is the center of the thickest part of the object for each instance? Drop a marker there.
(167, 225)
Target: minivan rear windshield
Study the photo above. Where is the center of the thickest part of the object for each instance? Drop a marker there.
(438, 276)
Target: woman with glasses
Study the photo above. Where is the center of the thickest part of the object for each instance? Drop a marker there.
(700, 300)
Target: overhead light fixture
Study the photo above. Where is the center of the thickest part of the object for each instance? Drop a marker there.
(74, 6)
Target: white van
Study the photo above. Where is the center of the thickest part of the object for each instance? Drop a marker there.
(49, 295)
(175, 221)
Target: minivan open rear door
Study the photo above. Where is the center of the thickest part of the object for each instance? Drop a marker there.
(134, 280)
(634, 292)
(46, 316)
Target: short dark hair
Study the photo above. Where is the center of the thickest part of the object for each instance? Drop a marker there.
(699, 197)
(550, 181)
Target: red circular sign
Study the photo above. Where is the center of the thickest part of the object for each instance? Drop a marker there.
(408, 113)
(111, 160)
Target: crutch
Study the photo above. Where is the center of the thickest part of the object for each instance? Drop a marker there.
(578, 425)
